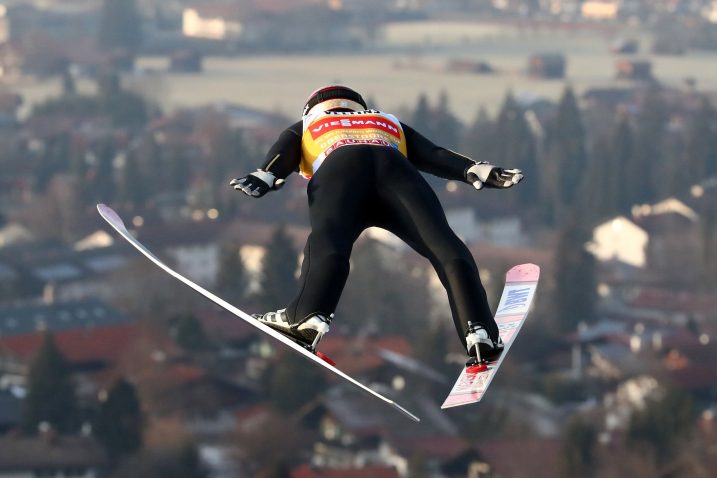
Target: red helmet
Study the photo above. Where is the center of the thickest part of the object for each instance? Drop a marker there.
(335, 97)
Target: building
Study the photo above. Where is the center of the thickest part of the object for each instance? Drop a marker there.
(633, 70)
(600, 9)
(90, 334)
(547, 65)
(211, 22)
(620, 239)
(52, 456)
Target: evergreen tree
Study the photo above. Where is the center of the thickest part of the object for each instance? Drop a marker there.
(596, 198)
(421, 119)
(188, 332)
(605, 192)
(51, 395)
(293, 382)
(120, 26)
(701, 145)
(446, 128)
(579, 446)
(516, 148)
(179, 169)
(576, 284)
(278, 269)
(661, 429)
(232, 279)
(119, 421)
(133, 187)
(190, 463)
(623, 145)
(566, 147)
(648, 158)
(126, 109)
(478, 140)
(104, 180)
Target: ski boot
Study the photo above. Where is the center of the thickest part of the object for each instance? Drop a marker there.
(307, 332)
(480, 347)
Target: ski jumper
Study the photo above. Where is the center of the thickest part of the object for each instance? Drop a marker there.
(364, 171)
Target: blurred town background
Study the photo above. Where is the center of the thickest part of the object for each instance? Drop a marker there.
(110, 368)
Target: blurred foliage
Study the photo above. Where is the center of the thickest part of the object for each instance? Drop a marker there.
(119, 421)
(50, 392)
(188, 332)
(580, 442)
(663, 428)
(278, 271)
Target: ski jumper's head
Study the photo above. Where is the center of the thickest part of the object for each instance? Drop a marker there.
(333, 98)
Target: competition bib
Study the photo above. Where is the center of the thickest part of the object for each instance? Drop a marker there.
(326, 131)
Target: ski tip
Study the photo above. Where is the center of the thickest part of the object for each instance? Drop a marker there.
(109, 215)
(405, 412)
(523, 273)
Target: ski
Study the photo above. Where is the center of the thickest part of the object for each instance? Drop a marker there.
(113, 219)
(520, 285)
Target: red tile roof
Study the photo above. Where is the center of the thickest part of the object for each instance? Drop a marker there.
(109, 344)
(675, 301)
(79, 345)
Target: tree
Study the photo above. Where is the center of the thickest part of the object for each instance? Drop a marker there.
(188, 332)
(478, 141)
(516, 148)
(576, 287)
(421, 118)
(623, 146)
(566, 147)
(293, 382)
(661, 429)
(579, 448)
(124, 108)
(104, 179)
(232, 278)
(120, 26)
(447, 128)
(119, 421)
(647, 161)
(133, 186)
(606, 187)
(51, 395)
(278, 269)
(701, 145)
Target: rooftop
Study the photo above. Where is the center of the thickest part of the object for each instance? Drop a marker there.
(21, 454)
(86, 314)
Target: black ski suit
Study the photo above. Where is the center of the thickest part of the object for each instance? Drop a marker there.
(359, 186)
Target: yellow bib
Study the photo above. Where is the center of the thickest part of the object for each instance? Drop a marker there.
(326, 131)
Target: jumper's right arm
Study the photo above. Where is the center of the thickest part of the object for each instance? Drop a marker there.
(282, 159)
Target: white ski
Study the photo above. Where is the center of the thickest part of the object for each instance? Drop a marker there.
(520, 284)
(115, 221)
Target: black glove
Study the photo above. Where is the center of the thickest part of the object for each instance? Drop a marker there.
(485, 174)
(257, 183)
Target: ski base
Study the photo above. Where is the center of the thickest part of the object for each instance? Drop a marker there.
(520, 285)
(113, 219)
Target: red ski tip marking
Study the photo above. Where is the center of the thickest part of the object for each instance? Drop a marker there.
(477, 368)
(325, 358)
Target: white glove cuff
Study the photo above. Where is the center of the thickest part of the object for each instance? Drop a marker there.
(482, 170)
